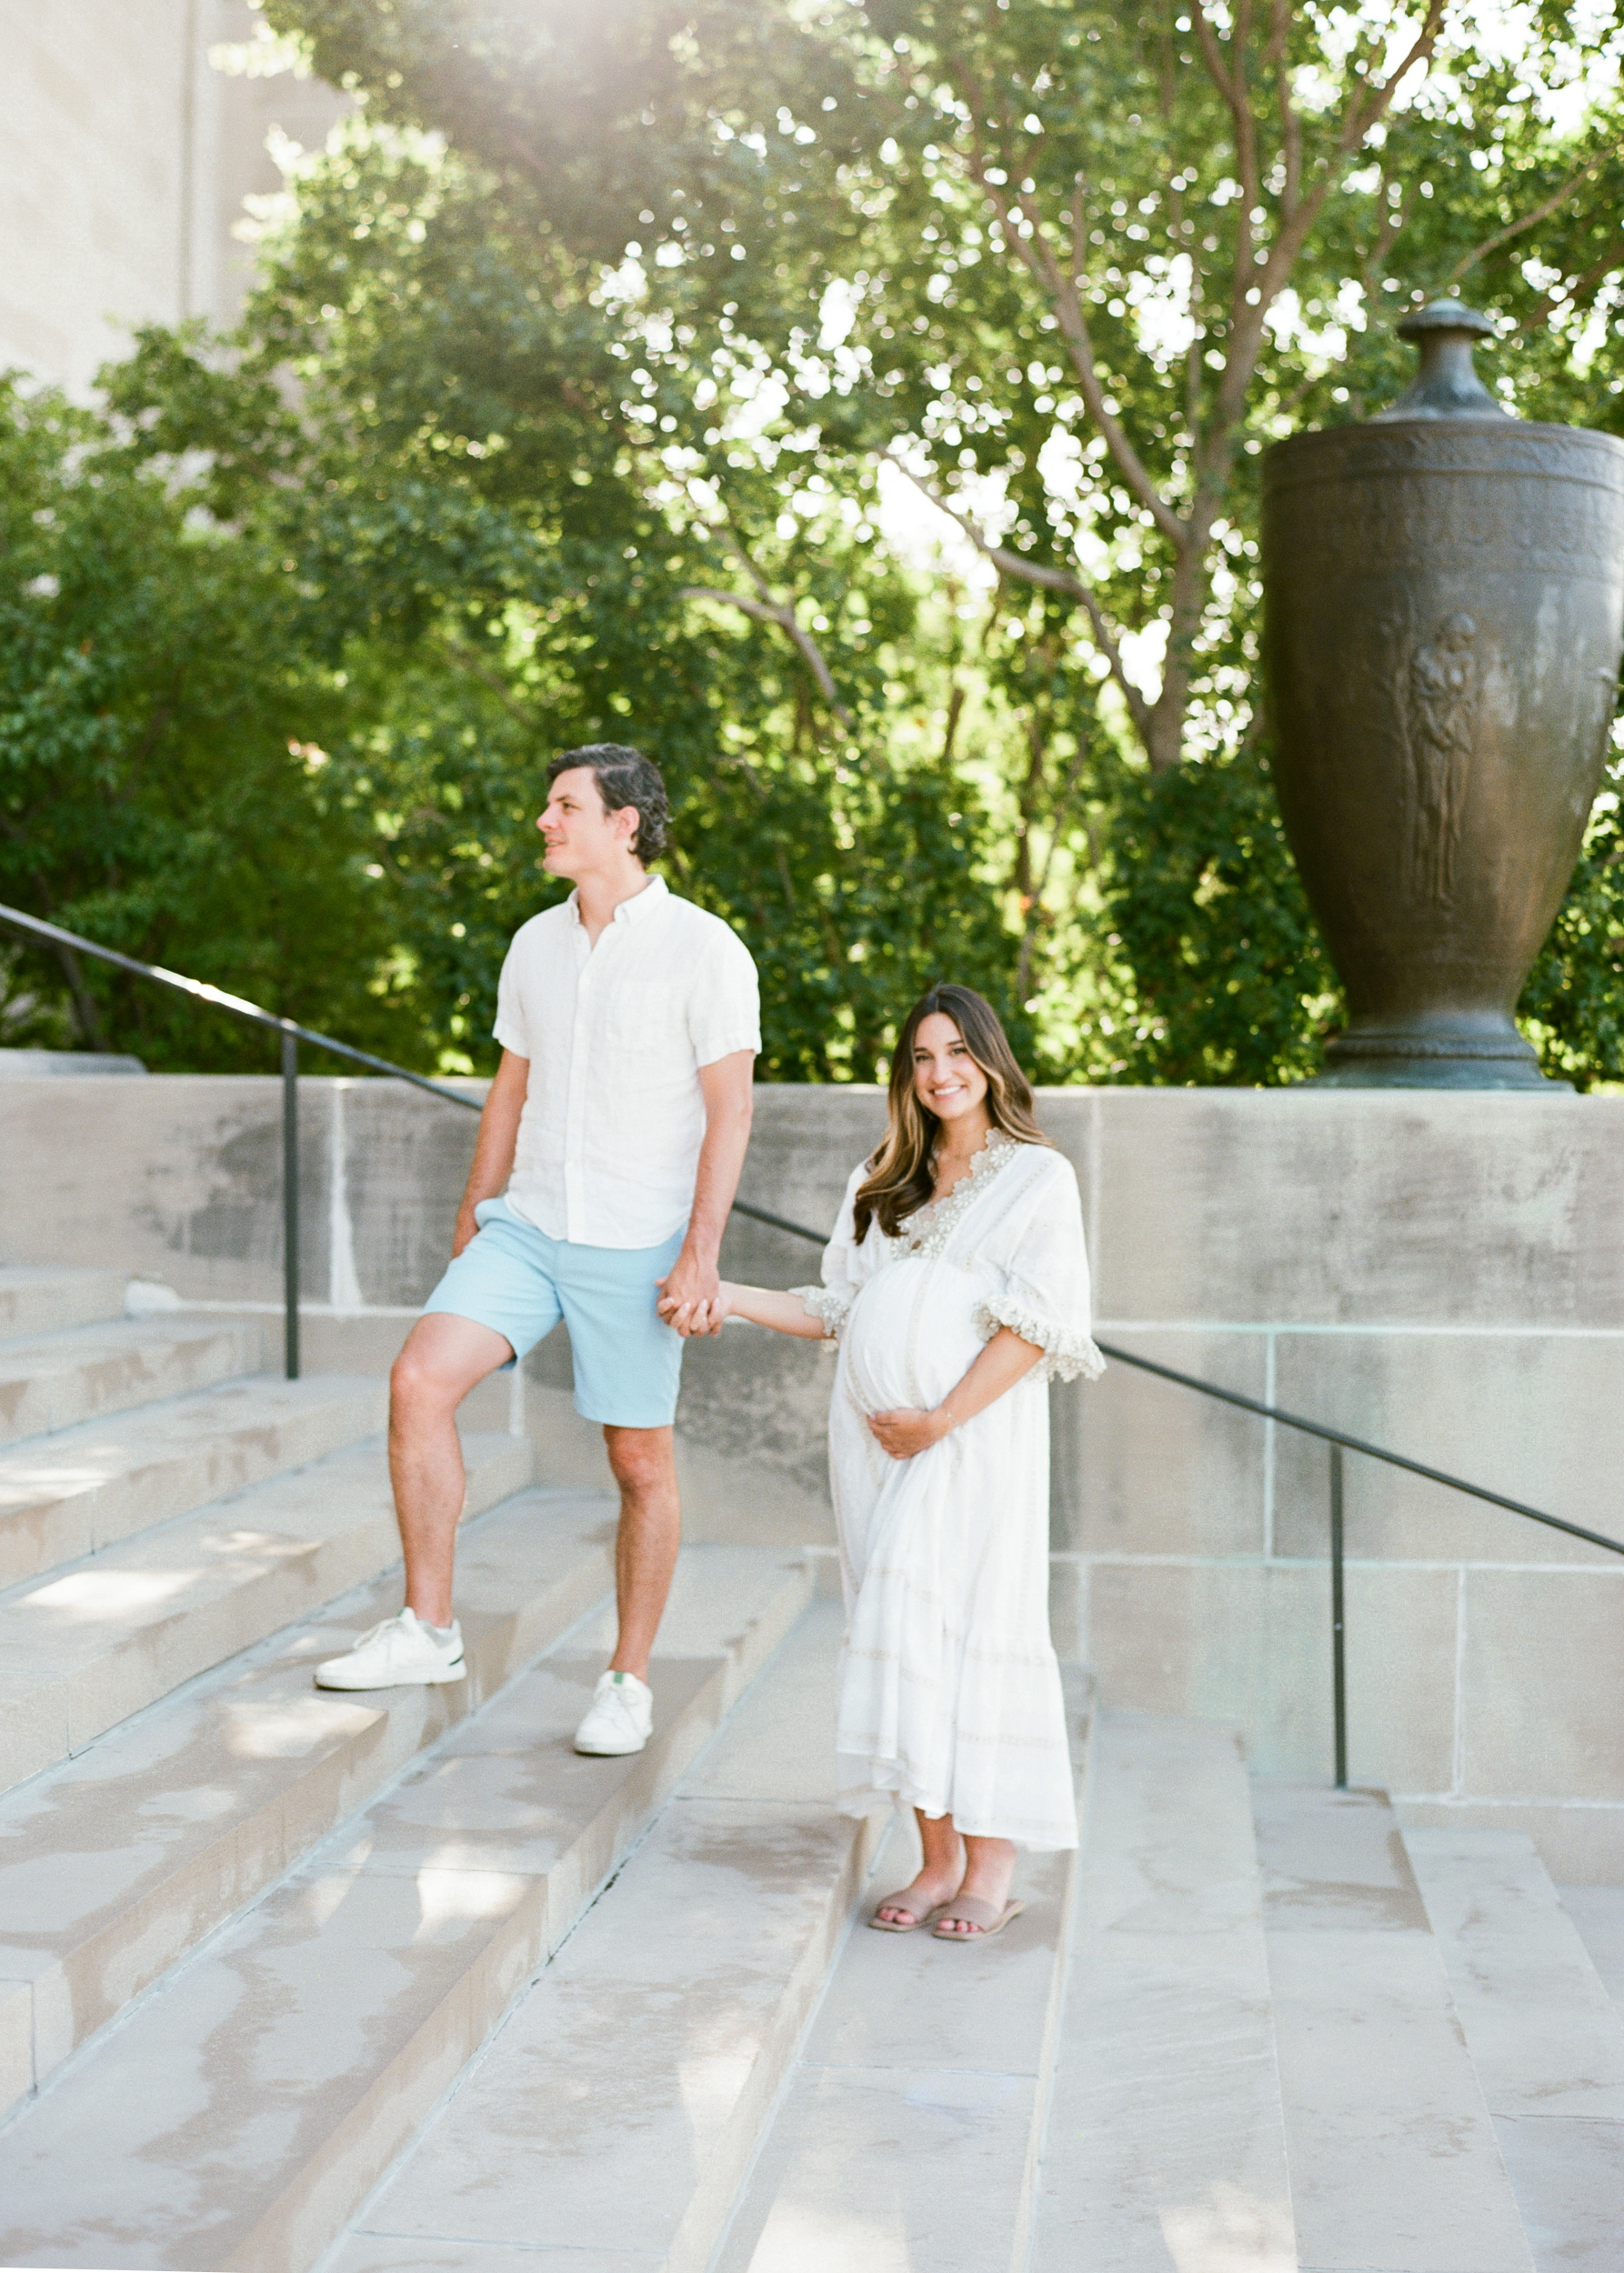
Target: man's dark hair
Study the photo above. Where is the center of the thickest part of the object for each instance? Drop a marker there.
(625, 776)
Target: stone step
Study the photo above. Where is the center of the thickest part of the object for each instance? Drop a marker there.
(903, 2133)
(1392, 2150)
(1164, 2141)
(35, 1298)
(239, 2116)
(86, 1648)
(81, 1490)
(1598, 1914)
(1545, 2038)
(117, 1864)
(51, 1381)
(656, 2041)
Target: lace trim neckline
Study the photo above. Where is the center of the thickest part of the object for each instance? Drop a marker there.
(939, 1217)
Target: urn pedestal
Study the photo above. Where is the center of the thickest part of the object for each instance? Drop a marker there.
(1443, 609)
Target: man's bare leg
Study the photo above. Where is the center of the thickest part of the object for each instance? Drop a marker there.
(443, 1359)
(644, 1462)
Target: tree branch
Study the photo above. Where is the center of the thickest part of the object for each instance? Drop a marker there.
(1037, 256)
(1232, 86)
(1530, 220)
(771, 611)
(1549, 301)
(477, 668)
(1052, 580)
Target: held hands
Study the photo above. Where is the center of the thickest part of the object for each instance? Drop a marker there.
(687, 1304)
(908, 1431)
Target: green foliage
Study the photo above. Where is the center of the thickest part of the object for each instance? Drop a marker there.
(1573, 1004)
(560, 413)
(156, 785)
(1229, 980)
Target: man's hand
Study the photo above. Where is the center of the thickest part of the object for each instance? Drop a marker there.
(690, 1295)
(907, 1430)
(465, 1229)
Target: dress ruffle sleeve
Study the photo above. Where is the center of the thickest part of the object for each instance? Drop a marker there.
(843, 1268)
(1044, 1294)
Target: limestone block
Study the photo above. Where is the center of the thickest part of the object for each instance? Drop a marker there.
(1582, 1845)
(1538, 1417)
(946, 2192)
(1380, 2176)
(1542, 1674)
(1143, 1466)
(1319, 1207)
(1545, 2036)
(1165, 2124)
(1250, 1643)
(760, 1403)
(16, 2035)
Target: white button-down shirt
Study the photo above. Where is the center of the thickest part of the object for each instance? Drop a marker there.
(616, 1034)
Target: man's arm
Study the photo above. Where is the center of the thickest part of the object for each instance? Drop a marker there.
(495, 1147)
(728, 1098)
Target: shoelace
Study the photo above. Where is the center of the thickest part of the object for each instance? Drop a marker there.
(376, 1633)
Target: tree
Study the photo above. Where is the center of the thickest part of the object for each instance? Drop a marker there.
(162, 785)
(1068, 267)
(592, 407)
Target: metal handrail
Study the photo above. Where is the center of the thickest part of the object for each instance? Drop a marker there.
(1338, 1441)
(292, 1034)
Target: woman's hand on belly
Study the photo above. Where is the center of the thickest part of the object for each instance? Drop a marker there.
(906, 1431)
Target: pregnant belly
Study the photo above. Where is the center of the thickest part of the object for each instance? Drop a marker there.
(910, 1334)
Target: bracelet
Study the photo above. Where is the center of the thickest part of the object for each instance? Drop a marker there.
(952, 1415)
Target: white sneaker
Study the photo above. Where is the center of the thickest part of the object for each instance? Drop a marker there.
(395, 1654)
(620, 1717)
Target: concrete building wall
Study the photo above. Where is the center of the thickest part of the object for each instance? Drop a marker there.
(1440, 1273)
(125, 161)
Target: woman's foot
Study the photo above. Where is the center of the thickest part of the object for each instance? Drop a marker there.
(988, 1874)
(914, 1904)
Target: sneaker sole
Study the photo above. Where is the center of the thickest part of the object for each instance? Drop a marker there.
(611, 1751)
(458, 1672)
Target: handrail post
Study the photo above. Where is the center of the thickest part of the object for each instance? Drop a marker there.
(290, 1204)
(1339, 1667)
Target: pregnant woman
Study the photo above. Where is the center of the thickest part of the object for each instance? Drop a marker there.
(957, 1286)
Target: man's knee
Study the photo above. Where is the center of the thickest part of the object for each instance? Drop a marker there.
(641, 1460)
(435, 1371)
(416, 1384)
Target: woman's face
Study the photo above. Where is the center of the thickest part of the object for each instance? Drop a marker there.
(947, 1079)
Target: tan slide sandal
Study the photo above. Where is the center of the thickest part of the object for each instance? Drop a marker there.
(971, 1907)
(894, 1925)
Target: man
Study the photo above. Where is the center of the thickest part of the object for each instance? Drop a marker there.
(614, 1132)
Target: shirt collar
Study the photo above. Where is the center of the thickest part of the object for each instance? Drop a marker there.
(641, 904)
(630, 911)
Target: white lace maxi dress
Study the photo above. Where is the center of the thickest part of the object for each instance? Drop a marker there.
(949, 1690)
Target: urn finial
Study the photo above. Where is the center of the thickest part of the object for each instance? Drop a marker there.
(1447, 385)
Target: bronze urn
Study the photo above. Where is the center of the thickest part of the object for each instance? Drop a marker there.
(1443, 609)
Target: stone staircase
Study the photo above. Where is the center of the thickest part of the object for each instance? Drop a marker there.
(397, 1984)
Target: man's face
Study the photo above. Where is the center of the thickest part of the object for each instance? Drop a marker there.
(581, 834)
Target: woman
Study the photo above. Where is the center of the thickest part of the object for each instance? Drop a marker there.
(957, 1285)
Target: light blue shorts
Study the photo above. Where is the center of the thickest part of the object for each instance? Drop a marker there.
(515, 1279)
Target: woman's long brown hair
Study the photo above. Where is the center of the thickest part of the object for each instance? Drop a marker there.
(900, 1178)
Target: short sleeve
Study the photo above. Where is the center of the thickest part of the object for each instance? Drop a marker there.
(1045, 1292)
(510, 1030)
(844, 1266)
(725, 1006)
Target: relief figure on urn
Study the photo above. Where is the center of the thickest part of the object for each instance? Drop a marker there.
(1437, 701)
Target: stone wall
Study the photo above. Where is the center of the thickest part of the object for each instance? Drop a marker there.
(124, 170)
(1440, 1273)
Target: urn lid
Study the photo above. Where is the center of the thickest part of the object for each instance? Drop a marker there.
(1447, 385)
